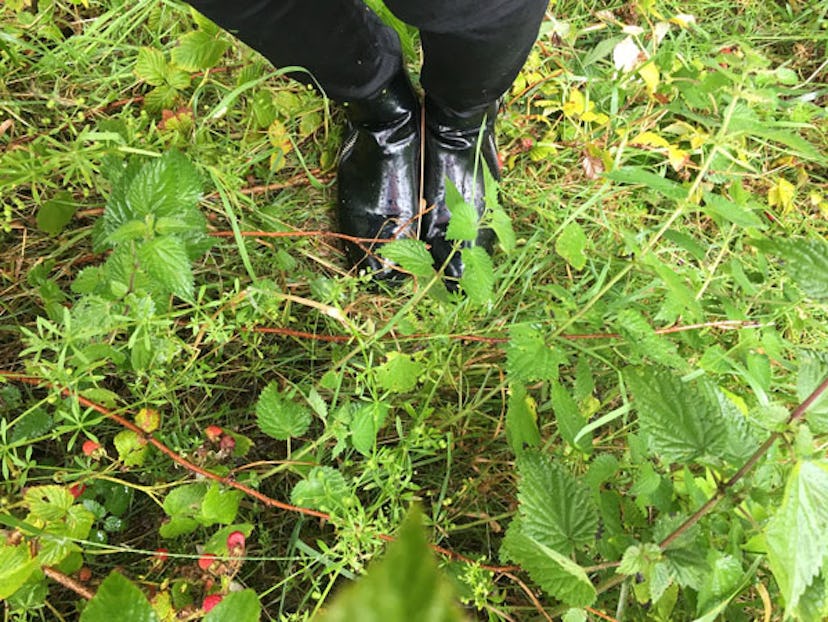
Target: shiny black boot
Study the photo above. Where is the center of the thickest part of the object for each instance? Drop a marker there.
(379, 174)
(451, 150)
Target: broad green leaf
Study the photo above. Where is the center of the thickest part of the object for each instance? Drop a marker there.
(56, 213)
(323, 489)
(571, 244)
(16, 566)
(240, 606)
(411, 255)
(569, 418)
(48, 503)
(151, 66)
(558, 575)
(366, 423)
(165, 260)
(118, 598)
(521, 420)
(405, 584)
(501, 224)
(554, 507)
(717, 205)
(682, 422)
(797, 535)
(185, 500)
(279, 416)
(178, 526)
(813, 370)
(805, 261)
(639, 559)
(477, 280)
(644, 341)
(399, 373)
(217, 544)
(165, 186)
(725, 574)
(220, 505)
(813, 604)
(639, 176)
(132, 449)
(528, 358)
(199, 50)
(464, 217)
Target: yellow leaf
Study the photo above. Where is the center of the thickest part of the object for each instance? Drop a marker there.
(677, 157)
(781, 194)
(683, 20)
(650, 139)
(575, 105)
(649, 73)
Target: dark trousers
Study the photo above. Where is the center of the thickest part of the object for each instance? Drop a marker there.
(473, 49)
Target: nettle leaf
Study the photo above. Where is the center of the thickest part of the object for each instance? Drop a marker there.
(199, 50)
(644, 341)
(813, 369)
(464, 217)
(279, 416)
(528, 358)
(681, 421)
(242, 606)
(797, 535)
(571, 244)
(405, 584)
(118, 598)
(399, 373)
(411, 255)
(569, 418)
(501, 224)
(151, 66)
(805, 261)
(555, 508)
(165, 186)
(323, 489)
(521, 420)
(557, 575)
(165, 260)
(477, 280)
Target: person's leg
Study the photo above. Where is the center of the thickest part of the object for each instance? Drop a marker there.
(356, 60)
(473, 51)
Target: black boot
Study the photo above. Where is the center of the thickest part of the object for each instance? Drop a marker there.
(379, 173)
(451, 150)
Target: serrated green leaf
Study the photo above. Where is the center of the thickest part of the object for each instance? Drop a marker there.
(555, 573)
(521, 420)
(130, 230)
(242, 606)
(501, 224)
(411, 255)
(279, 416)
(528, 358)
(644, 341)
(400, 373)
(405, 584)
(165, 186)
(718, 205)
(805, 261)
(161, 97)
(464, 217)
(220, 505)
(725, 574)
(323, 489)
(569, 418)
(56, 213)
(813, 369)
(151, 66)
(367, 421)
(199, 50)
(48, 503)
(117, 598)
(681, 421)
(797, 535)
(571, 244)
(16, 566)
(132, 450)
(35, 423)
(477, 280)
(555, 508)
(165, 260)
(639, 559)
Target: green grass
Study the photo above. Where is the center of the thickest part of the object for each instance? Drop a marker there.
(746, 85)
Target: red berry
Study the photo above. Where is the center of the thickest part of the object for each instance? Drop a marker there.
(84, 574)
(235, 541)
(213, 432)
(210, 601)
(89, 447)
(76, 490)
(161, 554)
(206, 560)
(227, 443)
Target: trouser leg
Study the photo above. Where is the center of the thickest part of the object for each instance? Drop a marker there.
(342, 43)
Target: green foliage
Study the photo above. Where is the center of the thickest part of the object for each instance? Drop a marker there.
(242, 606)
(805, 261)
(194, 505)
(404, 585)
(411, 255)
(117, 598)
(571, 245)
(280, 416)
(528, 357)
(464, 218)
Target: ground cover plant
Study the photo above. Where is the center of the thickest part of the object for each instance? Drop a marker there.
(624, 417)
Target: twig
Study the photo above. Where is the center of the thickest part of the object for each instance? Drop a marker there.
(528, 591)
(67, 582)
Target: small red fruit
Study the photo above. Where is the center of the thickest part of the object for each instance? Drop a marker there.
(228, 443)
(213, 433)
(76, 490)
(89, 447)
(84, 574)
(211, 601)
(161, 554)
(235, 541)
(206, 560)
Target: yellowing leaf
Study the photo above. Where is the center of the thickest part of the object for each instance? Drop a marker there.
(678, 158)
(650, 139)
(683, 20)
(576, 104)
(649, 73)
(279, 138)
(781, 194)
